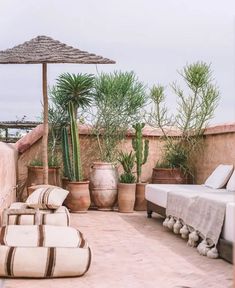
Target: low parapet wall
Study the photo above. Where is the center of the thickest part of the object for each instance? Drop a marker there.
(8, 160)
(218, 147)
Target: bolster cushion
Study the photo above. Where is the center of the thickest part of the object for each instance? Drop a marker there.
(58, 217)
(43, 252)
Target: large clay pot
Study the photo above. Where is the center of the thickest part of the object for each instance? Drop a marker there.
(103, 185)
(126, 197)
(35, 176)
(140, 201)
(169, 176)
(78, 199)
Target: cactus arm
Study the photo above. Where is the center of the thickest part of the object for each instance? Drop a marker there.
(75, 144)
(146, 151)
(65, 152)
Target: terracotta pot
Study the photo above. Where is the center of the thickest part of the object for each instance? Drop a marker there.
(140, 202)
(169, 176)
(78, 199)
(103, 185)
(35, 176)
(126, 197)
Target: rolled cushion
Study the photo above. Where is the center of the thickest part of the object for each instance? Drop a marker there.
(48, 197)
(43, 252)
(219, 176)
(58, 217)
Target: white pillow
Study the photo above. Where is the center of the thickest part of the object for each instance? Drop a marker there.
(231, 183)
(219, 176)
(48, 197)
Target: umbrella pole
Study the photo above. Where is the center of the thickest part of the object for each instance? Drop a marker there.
(45, 124)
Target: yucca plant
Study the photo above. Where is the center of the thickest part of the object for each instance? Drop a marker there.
(73, 91)
(75, 88)
(127, 160)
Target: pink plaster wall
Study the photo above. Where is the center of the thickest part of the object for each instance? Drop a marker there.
(218, 148)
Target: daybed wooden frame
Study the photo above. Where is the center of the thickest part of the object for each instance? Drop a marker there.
(224, 247)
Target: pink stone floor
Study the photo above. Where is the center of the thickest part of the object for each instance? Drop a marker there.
(131, 251)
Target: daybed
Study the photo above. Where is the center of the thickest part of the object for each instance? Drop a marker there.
(156, 196)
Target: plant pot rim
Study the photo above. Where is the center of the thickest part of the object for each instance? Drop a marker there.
(158, 168)
(142, 183)
(79, 182)
(102, 163)
(126, 183)
(41, 167)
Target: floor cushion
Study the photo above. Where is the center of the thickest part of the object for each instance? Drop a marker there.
(58, 217)
(43, 251)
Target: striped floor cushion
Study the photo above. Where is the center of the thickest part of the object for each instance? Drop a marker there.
(58, 217)
(43, 251)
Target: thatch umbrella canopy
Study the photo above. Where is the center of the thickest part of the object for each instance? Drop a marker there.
(43, 50)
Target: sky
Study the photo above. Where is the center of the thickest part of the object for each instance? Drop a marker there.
(151, 37)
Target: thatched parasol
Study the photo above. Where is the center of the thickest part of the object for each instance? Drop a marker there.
(43, 50)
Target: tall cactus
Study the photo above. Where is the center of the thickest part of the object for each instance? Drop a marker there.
(65, 153)
(76, 163)
(141, 149)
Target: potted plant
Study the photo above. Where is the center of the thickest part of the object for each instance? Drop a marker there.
(126, 185)
(118, 99)
(141, 149)
(195, 108)
(74, 92)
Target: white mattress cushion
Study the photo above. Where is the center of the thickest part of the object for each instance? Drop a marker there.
(157, 194)
(219, 177)
(231, 183)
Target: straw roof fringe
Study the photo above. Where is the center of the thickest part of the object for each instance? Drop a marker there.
(43, 49)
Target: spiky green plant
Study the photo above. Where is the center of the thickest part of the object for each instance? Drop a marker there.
(76, 163)
(75, 88)
(141, 149)
(127, 160)
(66, 154)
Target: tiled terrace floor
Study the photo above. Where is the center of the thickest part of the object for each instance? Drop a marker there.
(130, 250)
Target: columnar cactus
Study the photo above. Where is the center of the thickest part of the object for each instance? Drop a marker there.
(65, 153)
(76, 163)
(141, 148)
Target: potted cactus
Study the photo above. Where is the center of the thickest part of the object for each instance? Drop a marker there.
(74, 92)
(78, 199)
(126, 185)
(141, 149)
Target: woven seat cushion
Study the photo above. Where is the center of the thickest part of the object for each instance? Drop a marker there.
(58, 217)
(43, 251)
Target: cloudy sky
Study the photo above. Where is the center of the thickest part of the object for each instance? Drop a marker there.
(154, 38)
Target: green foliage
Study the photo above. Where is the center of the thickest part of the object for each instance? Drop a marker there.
(127, 178)
(36, 162)
(141, 148)
(76, 163)
(118, 100)
(127, 161)
(66, 154)
(75, 88)
(195, 107)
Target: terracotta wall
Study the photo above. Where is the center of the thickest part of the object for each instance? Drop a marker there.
(8, 158)
(218, 147)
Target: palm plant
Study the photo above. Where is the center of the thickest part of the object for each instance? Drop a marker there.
(75, 88)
